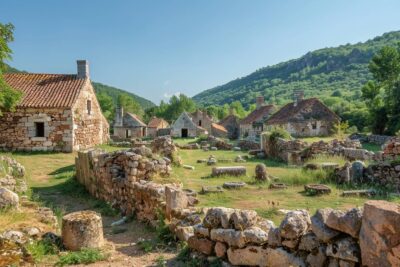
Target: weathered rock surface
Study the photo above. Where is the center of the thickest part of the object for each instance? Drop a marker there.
(309, 242)
(319, 228)
(295, 224)
(176, 199)
(229, 236)
(348, 222)
(317, 258)
(251, 255)
(345, 249)
(8, 199)
(243, 219)
(214, 217)
(274, 237)
(202, 245)
(261, 172)
(280, 257)
(380, 234)
(82, 229)
(220, 249)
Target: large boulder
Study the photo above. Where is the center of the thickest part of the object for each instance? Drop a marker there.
(248, 256)
(243, 219)
(280, 257)
(319, 228)
(8, 199)
(357, 171)
(82, 229)
(309, 242)
(380, 234)
(348, 222)
(255, 235)
(295, 224)
(216, 217)
(229, 236)
(344, 249)
(202, 245)
(317, 258)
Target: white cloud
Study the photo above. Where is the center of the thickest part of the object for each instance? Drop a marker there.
(168, 95)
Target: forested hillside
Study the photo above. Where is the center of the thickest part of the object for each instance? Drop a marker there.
(115, 92)
(336, 75)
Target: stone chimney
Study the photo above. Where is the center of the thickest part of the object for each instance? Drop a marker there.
(119, 115)
(298, 96)
(83, 69)
(259, 102)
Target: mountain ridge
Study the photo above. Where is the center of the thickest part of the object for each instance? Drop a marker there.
(319, 73)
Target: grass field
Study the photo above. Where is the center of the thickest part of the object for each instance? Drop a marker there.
(49, 174)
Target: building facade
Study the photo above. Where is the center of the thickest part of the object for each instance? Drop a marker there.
(128, 125)
(185, 127)
(305, 117)
(156, 127)
(57, 112)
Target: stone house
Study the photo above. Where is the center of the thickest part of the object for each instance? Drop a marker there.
(57, 112)
(305, 117)
(184, 127)
(203, 120)
(155, 125)
(231, 124)
(253, 125)
(128, 125)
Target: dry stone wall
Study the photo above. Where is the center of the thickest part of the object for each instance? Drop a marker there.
(241, 237)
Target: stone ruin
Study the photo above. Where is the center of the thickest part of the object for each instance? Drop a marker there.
(12, 175)
(297, 151)
(355, 237)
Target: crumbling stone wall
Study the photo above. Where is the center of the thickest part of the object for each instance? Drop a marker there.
(12, 175)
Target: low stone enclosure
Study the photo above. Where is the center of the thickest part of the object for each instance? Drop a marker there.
(368, 236)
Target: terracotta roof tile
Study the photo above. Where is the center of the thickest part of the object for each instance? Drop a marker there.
(258, 114)
(219, 127)
(307, 109)
(157, 122)
(45, 90)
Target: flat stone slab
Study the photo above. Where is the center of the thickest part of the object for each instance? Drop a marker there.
(317, 189)
(211, 189)
(234, 185)
(201, 161)
(233, 171)
(188, 167)
(277, 186)
(190, 192)
(359, 193)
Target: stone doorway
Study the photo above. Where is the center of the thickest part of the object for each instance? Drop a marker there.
(184, 133)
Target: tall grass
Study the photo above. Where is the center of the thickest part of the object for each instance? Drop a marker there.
(324, 158)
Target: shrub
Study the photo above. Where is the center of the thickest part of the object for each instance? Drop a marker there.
(275, 133)
(84, 256)
(39, 249)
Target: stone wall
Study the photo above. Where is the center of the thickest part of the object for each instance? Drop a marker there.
(355, 237)
(18, 132)
(90, 127)
(297, 151)
(371, 138)
(309, 128)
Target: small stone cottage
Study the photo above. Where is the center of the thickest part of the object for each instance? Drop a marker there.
(305, 117)
(231, 124)
(128, 125)
(57, 112)
(156, 126)
(253, 125)
(185, 127)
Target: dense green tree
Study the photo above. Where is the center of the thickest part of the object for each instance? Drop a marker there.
(383, 92)
(8, 96)
(107, 105)
(130, 105)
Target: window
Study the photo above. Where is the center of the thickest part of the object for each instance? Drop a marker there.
(200, 123)
(128, 133)
(39, 129)
(314, 125)
(89, 107)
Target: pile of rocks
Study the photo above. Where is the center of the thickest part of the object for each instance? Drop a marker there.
(164, 145)
(219, 143)
(391, 149)
(248, 145)
(371, 138)
(12, 175)
(329, 238)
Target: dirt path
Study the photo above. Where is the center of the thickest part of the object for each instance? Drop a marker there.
(50, 178)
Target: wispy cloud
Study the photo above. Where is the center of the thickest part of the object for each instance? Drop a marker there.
(169, 95)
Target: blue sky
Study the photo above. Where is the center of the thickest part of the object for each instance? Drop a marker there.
(156, 48)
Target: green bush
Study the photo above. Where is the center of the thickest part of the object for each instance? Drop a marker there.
(275, 133)
(41, 248)
(84, 256)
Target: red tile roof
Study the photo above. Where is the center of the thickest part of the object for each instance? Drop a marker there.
(46, 90)
(307, 109)
(157, 123)
(258, 114)
(218, 127)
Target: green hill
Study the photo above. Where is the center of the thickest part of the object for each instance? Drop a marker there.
(325, 73)
(109, 90)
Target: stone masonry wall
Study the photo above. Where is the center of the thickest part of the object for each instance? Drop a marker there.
(17, 130)
(90, 128)
(366, 236)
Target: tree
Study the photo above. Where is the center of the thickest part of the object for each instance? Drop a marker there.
(130, 105)
(107, 105)
(8, 96)
(383, 93)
